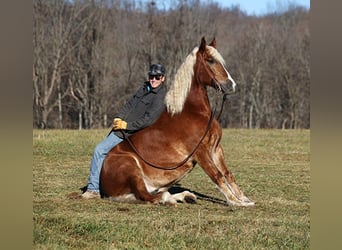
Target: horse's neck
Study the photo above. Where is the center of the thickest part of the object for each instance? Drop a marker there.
(197, 100)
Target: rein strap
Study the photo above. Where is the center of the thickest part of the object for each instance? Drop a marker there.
(212, 115)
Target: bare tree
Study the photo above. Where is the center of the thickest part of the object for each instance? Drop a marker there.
(54, 25)
(89, 56)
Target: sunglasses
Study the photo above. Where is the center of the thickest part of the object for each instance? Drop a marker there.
(158, 77)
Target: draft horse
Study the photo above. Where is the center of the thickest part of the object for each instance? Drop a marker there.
(143, 168)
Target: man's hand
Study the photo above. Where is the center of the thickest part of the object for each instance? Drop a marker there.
(119, 124)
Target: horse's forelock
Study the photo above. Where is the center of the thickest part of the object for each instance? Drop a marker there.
(180, 87)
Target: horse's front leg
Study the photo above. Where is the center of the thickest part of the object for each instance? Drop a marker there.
(218, 157)
(212, 162)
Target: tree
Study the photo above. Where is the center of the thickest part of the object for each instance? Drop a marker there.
(55, 23)
(89, 56)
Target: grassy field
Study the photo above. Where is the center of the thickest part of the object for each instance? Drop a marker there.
(271, 166)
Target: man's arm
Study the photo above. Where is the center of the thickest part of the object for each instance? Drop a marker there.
(151, 115)
(127, 107)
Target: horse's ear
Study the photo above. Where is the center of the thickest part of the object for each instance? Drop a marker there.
(213, 43)
(203, 45)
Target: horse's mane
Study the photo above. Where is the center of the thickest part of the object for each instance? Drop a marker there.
(180, 86)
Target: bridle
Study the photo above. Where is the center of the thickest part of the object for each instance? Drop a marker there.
(212, 116)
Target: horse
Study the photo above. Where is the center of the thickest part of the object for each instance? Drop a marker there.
(144, 166)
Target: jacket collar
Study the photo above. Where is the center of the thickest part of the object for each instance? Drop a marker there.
(148, 88)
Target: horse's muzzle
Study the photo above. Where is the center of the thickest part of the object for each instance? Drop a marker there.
(232, 82)
(229, 87)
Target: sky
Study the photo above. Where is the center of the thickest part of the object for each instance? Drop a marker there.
(259, 7)
(251, 7)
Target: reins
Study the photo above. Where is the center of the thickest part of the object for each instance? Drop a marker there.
(212, 115)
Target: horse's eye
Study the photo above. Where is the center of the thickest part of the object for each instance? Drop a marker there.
(211, 60)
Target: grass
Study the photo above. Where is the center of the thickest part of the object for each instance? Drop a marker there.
(271, 166)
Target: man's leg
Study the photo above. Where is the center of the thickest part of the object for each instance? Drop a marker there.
(100, 152)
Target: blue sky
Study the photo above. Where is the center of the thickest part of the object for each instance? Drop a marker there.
(251, 7)
(258, 7)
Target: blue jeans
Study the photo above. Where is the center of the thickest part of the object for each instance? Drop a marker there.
(100, 153)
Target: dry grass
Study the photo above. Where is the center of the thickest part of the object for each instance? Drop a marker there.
(271, 166)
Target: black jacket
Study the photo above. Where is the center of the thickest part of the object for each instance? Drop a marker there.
(142, 109)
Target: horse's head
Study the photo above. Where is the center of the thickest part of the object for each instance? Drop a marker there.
(211, 68)
(203, 65)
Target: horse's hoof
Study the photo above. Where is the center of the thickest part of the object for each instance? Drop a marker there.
(249, 204)
(190, 199)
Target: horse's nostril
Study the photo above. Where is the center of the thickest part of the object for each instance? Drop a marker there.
(230, 87)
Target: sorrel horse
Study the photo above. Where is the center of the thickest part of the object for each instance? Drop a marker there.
(143, 168)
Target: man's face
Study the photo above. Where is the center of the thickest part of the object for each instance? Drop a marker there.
(156, 80)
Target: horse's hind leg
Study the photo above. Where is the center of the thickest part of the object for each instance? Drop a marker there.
(172, 199)
(123, 180)
(161, 197)
(139, 189)
(185, 196)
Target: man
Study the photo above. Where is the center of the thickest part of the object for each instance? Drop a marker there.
(140, 111)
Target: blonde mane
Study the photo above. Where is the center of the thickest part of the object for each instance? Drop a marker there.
(180, 87)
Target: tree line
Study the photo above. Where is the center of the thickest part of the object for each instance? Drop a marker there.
(91, 55)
